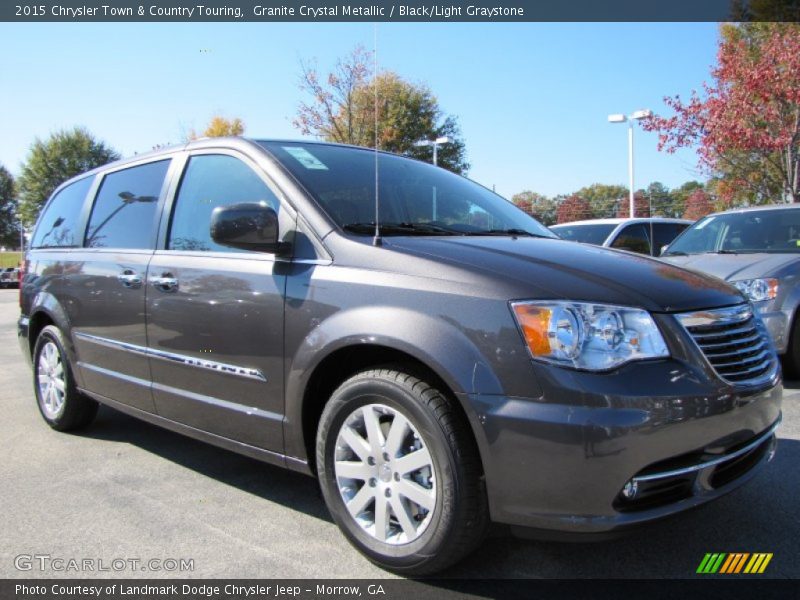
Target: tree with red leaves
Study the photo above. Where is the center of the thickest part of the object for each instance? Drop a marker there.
(698, 204)
(573, 208)
(747, 125)
(640, 203)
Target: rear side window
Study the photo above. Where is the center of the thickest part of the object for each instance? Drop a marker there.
(633, 238)
(125, 210)
(58, 223)
(212, 180)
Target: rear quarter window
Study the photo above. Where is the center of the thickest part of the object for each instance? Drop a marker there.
(58, 224)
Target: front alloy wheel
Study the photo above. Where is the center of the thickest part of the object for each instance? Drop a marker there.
(400, 472)
(385, 474)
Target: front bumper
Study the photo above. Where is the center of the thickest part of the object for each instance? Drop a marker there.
(560, 462)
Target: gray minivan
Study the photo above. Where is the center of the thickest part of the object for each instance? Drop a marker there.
(435, 356)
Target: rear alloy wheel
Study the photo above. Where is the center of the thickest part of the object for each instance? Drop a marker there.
(400, 472)
(61, 404)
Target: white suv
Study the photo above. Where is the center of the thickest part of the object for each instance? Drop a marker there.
(645, 235)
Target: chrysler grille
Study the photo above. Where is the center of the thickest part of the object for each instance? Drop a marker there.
(734, 342)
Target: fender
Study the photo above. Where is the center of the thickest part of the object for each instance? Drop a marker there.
(47, 304)
(444, 348)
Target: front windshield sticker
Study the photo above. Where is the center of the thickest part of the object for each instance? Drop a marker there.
(305, 158)
(704, 223)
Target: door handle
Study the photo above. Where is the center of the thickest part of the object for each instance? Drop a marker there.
(165, 283)
(130, 279)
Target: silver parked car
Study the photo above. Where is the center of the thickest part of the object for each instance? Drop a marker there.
(642, 235)
(758, 251)
(9, 277)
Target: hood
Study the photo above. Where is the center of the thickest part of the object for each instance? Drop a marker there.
(732, 267)
(555, 269)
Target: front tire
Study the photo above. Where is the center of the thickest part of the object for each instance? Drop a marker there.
(400, 472)
(62, 406)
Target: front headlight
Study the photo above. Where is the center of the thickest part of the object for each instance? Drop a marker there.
(758, 290)
(594, 337)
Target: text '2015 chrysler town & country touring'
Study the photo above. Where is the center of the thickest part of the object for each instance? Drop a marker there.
(453, 366)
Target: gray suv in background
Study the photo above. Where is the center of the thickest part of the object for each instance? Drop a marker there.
(758, 251)
(448, 364)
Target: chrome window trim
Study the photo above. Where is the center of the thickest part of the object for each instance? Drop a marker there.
(711, 463)
(191, 361)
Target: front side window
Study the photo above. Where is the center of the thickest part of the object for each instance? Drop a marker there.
(212, 180)
(415, 198)
(633, 238)
(124, 212)
(58, 223)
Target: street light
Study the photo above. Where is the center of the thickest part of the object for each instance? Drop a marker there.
(635, 116)
(435, 143)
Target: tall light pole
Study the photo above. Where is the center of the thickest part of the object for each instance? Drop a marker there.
(619, 118)
(435, 143)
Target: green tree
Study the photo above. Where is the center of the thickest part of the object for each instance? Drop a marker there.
(603, 199)
(659, 200)
(540, 207)
(9, 228)
(51, 162)
(343, 103)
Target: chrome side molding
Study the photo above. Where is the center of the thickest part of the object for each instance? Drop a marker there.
(201, 363)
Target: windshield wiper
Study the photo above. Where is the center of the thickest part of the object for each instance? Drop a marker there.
(676, 253)
(512, 231)
(400, 229)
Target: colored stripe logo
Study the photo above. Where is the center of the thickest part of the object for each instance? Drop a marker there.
(734, 563)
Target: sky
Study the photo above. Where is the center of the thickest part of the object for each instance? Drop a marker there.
(532, 99)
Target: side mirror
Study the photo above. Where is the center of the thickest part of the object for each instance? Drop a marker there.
(663, 249)
(248, 226)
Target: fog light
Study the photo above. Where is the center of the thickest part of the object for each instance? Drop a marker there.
(630, 489)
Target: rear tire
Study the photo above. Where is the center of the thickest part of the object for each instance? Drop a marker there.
(62, 406)
(400, 472)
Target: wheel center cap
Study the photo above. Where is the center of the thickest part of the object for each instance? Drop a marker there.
(385, 473)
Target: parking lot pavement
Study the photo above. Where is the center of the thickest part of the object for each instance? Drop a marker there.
(127, 490)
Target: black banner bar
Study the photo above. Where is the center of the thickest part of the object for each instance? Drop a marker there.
(403, 11)
(395, 589)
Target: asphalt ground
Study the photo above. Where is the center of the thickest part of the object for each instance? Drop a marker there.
(126, 490)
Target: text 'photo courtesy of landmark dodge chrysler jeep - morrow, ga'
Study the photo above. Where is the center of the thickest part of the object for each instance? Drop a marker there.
(459, 366)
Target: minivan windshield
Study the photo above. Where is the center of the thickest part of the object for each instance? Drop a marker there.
(589, 233)
(770, 231)
(416, 198)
